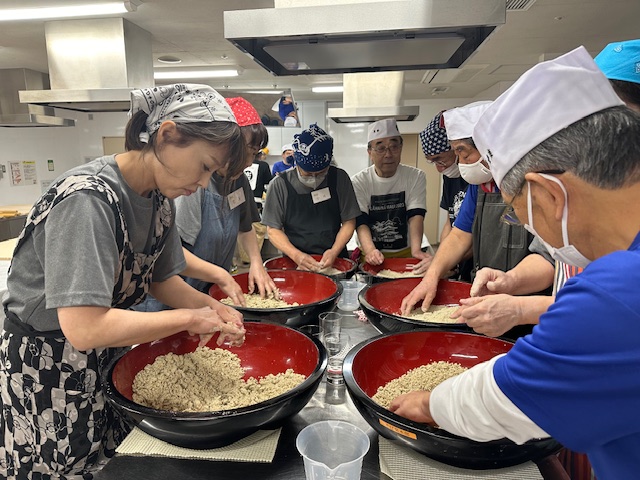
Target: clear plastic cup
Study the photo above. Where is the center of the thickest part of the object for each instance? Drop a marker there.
(337, 344)
(349, 299)
(331, 323)
(332, 449)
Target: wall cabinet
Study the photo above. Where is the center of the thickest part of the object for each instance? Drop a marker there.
(11, 227)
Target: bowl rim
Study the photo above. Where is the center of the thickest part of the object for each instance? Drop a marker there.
(354, 389)
(112, 393)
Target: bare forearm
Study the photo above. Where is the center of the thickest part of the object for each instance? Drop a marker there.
(533, 274)
(177, 293)
(202, 270)
(450, 252)
(344, 235)
(532, 307)
(249, 242)
(280, 240)
(365, 238)
(416, 229)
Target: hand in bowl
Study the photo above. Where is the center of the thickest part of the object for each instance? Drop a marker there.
(414, 406)
(425, 291)
(258, 277)
(221, 318)
(374, 257)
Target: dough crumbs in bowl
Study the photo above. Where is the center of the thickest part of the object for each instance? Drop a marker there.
(254, 300)
(435, 314)
(386, 273)
(206, 380)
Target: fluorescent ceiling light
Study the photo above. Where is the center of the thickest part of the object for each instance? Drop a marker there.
(81, 10)
(189, 74)
(262, 92)
(328, 89)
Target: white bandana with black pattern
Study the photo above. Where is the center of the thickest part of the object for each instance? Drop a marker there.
(182, 103)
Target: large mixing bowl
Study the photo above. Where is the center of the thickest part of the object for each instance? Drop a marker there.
(346, 266)
(268, 348)
(400, 265)
(314, 293)
(381, 304)
(373, 364)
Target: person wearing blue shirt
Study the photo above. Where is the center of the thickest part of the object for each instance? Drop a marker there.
(568, 166)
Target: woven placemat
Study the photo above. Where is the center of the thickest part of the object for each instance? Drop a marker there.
(259, 447)
(403, 463)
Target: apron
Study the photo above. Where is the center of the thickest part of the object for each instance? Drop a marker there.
(219, 227)
(388, 223)
(55, 420)
(495, 243)
(312, 227)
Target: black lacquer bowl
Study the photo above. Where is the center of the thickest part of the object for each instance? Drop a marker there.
(315, 294)
(381, 304)
(268, 348)
(372, 364)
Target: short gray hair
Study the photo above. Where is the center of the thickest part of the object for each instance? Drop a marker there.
(602, 149)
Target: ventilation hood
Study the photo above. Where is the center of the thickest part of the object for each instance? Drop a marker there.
(94, 64)
(363, 36)
(15, 114)
(369, 97)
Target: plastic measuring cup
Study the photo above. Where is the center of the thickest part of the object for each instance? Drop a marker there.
(349, 299)
(332, 450)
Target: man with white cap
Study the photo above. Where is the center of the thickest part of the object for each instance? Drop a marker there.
(478, 225)
(287, 161)
(437, 151)
(567, 160)
(392, 199)
(312, 208)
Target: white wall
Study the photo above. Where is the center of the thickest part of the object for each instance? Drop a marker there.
(66, 146)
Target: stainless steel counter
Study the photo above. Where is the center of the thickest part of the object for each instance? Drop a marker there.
(287, 464)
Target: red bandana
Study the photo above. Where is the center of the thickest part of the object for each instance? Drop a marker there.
(244, 112)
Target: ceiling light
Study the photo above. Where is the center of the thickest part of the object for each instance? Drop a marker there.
(167, 74)
(88, 10)
(169, 59)
(263, 92)
(328, 89)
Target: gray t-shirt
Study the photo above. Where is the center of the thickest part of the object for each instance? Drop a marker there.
(70, 259)
(189, 209)
(275, 205)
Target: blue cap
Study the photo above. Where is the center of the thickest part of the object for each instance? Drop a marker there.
(621, 61)
(313, 149)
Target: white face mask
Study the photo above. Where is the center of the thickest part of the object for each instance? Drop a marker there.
(567, 253)
(311, 181)
(475, 173)
(452, 171)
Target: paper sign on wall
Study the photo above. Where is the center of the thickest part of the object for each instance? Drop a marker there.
(23, 173)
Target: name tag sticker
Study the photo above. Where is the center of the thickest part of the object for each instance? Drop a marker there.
(236, 198)
(321, 195)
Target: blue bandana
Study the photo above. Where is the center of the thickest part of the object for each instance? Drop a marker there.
(434, 138)
(313, 149)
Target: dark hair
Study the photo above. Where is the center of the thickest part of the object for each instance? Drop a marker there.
(258, 135)
(629, 92)
(216, 133)
(602, 149)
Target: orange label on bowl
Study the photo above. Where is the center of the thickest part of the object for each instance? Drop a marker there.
(397, 430)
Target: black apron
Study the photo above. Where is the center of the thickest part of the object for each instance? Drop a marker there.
(312, 227)
(55, 420)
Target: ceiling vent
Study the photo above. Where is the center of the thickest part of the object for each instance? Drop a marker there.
(369, 97)
(94, 64)
(519, 5)
(16, 114)
(352, 37)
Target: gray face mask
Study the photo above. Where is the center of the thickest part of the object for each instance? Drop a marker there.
(311, 181)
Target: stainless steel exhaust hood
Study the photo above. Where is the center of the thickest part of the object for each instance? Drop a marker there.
(94, 64)
(369, 97)
(15, 114)
(364, 36)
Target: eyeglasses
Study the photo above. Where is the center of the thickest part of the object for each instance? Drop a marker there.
(509, 216)
(382, 150)
(440, 163)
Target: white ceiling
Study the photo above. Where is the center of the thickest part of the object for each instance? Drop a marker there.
(193, 31)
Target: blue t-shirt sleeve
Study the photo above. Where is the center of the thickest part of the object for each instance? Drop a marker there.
(583, 358)
(464, 220)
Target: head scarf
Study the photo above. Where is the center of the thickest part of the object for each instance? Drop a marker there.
(181, 103)
(313, 149)
(433, 138)
(621, 61)
(244, 112)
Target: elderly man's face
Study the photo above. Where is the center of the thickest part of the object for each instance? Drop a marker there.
(385, 154)
(466, 153)
(442, 161)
